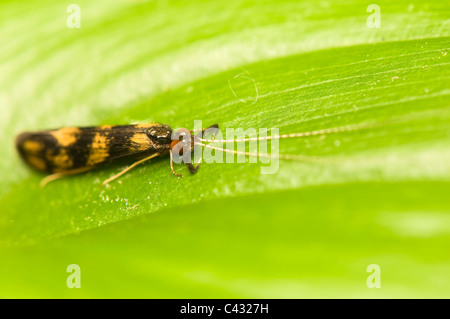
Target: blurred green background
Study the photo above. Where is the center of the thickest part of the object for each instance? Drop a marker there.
(311, 229)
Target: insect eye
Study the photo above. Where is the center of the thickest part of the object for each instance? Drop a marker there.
(162, 135)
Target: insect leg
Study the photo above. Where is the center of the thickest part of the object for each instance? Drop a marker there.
(204, 129)
(51, 178)
(171, 166)
(55, 176)
(193, 169)
(130, 167)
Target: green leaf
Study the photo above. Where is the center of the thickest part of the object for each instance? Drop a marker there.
(373, 195)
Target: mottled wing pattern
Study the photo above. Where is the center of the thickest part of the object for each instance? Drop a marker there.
(73, 149)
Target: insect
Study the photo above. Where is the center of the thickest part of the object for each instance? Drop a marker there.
(72, 150)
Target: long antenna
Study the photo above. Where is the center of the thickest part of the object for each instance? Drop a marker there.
(339, 129)
(302, 158)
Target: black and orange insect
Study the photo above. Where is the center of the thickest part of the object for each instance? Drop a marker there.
(73, 150)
